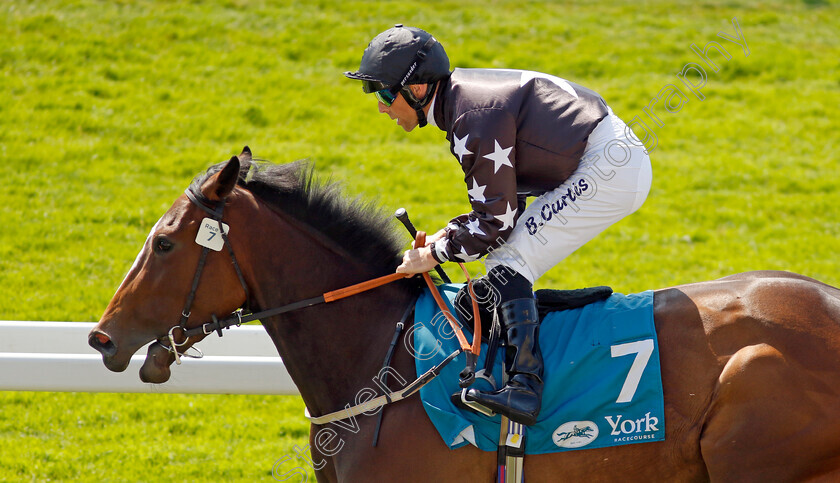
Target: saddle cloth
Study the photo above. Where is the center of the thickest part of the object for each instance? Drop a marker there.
(602, 377)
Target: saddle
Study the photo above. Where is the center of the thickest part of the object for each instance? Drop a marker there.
(587, 368)
(548, 300)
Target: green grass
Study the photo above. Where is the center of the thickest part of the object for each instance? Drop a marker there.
(108, 109)
(148, 437)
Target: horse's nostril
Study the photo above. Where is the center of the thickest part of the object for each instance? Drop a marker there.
(102, 343)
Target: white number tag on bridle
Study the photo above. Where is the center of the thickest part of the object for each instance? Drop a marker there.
(209, 236)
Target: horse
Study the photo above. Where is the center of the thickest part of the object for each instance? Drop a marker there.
(750, 362)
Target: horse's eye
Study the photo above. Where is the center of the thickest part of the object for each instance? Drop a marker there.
(162, 245)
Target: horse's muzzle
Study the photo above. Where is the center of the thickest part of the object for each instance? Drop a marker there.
(105, 346)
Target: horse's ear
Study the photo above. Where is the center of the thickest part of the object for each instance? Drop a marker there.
(222, 183)
(245, 156)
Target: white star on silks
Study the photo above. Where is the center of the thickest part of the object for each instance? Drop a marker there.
(507, 217)
(472, 226)
(500, 157)
(460, 147)
(466, 257)
(477, 192)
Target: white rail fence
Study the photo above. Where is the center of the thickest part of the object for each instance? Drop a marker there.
(55, 356)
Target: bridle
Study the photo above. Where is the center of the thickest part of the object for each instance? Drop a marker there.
(216, 212)
(243, 314)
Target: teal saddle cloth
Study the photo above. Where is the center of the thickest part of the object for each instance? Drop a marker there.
(602, 377)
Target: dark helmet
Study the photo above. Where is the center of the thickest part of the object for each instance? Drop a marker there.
(400, 56)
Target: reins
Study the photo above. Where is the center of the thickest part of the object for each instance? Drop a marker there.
(472, 351)
(467, 376)
(216, 212)
(237, 319)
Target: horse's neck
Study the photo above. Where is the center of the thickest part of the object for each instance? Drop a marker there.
(335, 352)
(332, 351)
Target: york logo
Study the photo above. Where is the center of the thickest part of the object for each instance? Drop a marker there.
(632, 426)
(575, 434)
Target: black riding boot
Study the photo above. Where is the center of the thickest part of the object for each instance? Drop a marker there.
(520, 399)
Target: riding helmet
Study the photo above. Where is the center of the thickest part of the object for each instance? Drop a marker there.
(389, 55)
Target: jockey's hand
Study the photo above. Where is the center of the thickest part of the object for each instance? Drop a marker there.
(437, 236)
(417, 261)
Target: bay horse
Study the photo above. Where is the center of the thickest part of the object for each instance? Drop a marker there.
(750, 362)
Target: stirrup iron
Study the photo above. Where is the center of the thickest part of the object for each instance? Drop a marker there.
(479, 408)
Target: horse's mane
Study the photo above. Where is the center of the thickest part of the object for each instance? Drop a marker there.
(360, 226)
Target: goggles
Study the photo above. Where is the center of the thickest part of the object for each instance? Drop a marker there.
(385, 96)
(383, 93)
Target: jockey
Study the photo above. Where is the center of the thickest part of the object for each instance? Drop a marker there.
(516, 134)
